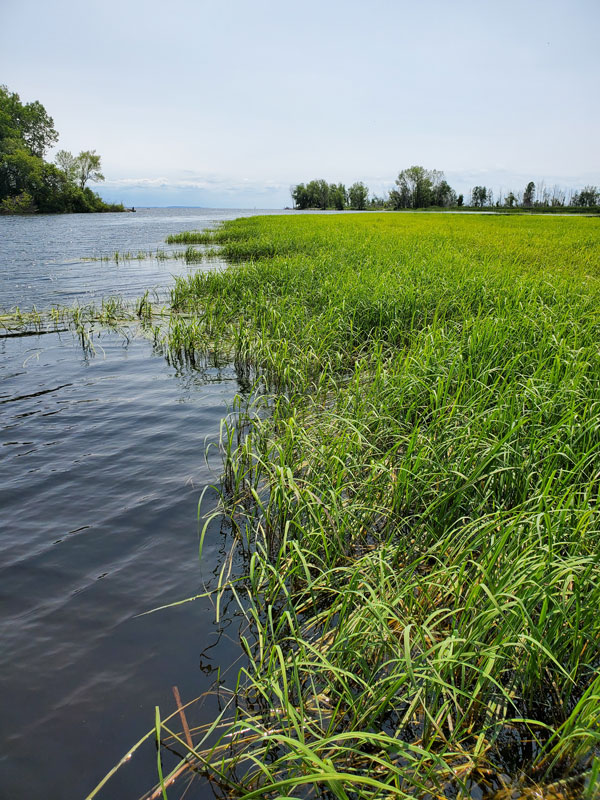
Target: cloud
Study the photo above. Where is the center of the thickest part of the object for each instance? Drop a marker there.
(191, 189)
(210, 184)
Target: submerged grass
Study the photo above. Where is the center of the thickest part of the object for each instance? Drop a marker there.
(415, 492)
(114, 313)
(141, 255)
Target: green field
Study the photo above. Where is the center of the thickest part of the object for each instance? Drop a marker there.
(414, 488)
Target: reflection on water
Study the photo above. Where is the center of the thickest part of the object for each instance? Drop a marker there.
(102, 463)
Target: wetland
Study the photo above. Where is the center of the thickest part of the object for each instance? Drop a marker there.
(401, 537)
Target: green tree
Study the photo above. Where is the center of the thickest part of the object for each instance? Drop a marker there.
(443, 195)
(357, 195)
(414, 188)
(20, 171)
(479, 196)
(338, 196)
(417, 187)
(28, 124)
(18, 204)
(27, 181)
(589, 196)
(68, 163)
(318, 193)
(511, 200)
(378, 202)
(529, 195)
(38, 129)
(88, 167)
(300, 196)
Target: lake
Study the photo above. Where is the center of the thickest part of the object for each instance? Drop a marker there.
(102, 463)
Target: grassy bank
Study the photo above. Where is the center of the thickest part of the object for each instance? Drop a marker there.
(414, 490)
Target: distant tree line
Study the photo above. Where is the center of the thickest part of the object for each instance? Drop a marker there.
(28, 183)
(540, 196)
(417, 187)
(323, 195)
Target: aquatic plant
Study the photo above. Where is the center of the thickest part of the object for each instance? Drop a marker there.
(141, 255)
(191, 237)
(146, 316)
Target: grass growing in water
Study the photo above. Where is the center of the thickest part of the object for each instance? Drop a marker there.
(114, 313)
(417, 509)
(142, 255)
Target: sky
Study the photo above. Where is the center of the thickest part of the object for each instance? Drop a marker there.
(228, 103)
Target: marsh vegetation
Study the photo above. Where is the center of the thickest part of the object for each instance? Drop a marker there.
(413, 488)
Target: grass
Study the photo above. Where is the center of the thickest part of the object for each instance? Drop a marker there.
(414, 491)
(141, 255)
(115, 313)
(191, 255)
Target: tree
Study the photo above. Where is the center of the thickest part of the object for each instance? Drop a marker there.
(28, 124)
(20, 171)
(558, 196)
(88, 167)
(358, 194)
(300, 196)
(419, 188)
(338, 196)
(443, 195)
(69, 165)
(378, 202)
(319, 194)
(529, 195)
(511, 200)
(589, 196)
(414, 188)
(479, 196)
(400, 197)
(18, 204)
(27, 181)
(38, 129)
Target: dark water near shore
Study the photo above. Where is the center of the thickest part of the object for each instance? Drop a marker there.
(102, 462)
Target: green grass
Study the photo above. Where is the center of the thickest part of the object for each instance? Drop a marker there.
(142, 255)
(414, 491)
(124, 317)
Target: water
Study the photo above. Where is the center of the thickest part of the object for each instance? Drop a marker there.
(41, 257)
(102, 462)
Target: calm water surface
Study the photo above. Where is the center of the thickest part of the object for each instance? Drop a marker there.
(102, 462)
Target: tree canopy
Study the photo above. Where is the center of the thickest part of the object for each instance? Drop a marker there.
(358, 195)
(25, 126)
(82, 168)
(28, 183)
(314, 194)
(418, 187)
